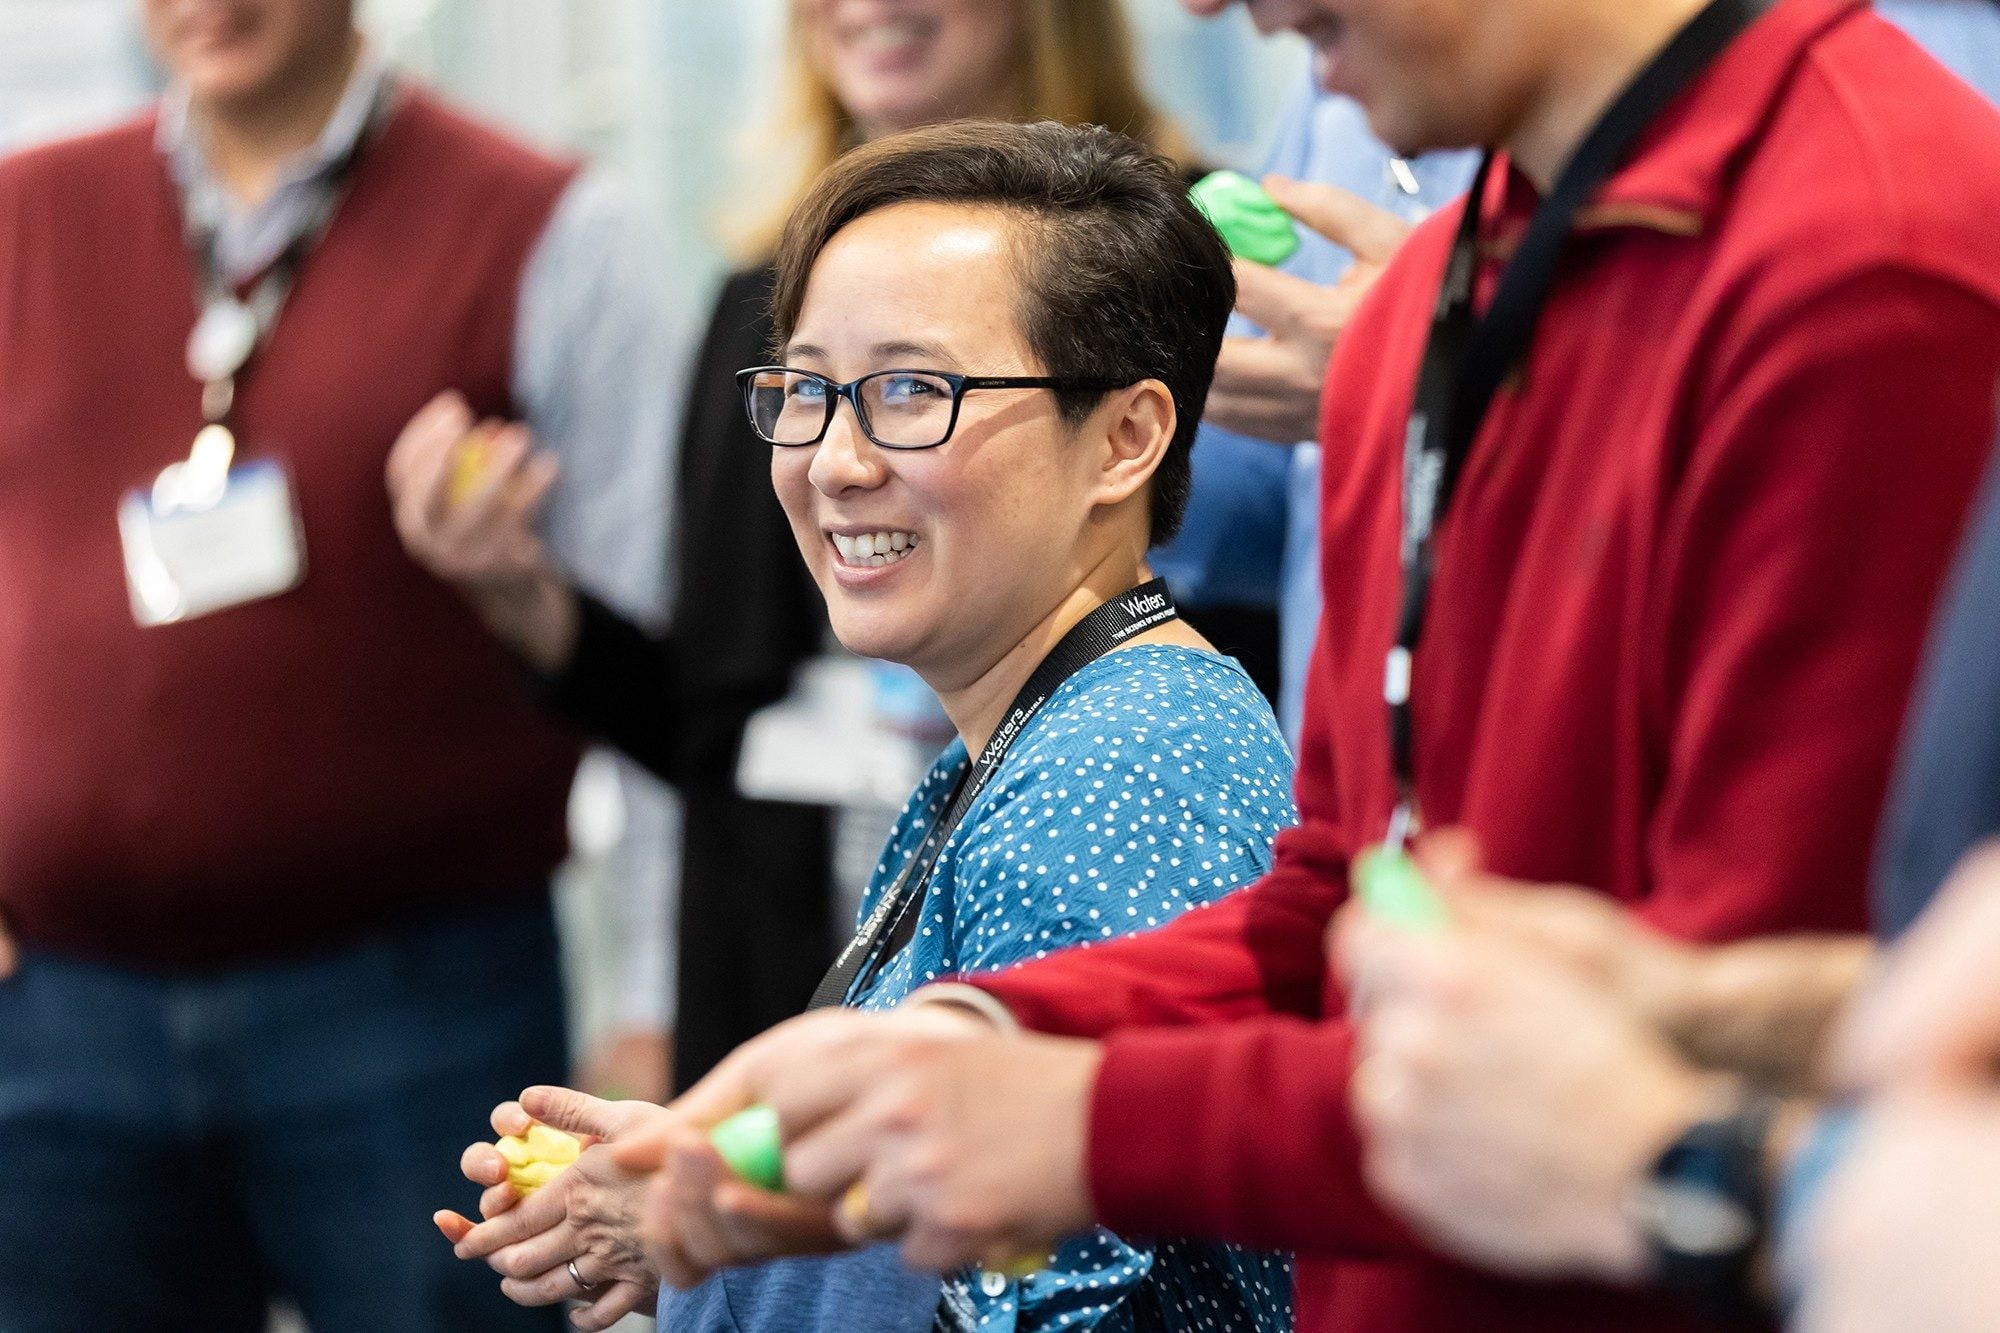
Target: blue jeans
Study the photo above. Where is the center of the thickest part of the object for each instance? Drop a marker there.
(175, 1152)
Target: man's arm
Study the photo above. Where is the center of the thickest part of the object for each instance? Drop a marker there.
(1786, 643)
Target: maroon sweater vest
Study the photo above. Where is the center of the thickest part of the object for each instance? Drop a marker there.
(278, 776)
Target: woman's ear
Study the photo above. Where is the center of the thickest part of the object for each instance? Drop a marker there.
(1139, 425)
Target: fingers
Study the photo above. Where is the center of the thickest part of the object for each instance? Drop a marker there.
(10, 957)
(723, 1091)
(695, 1171)
(511, 1118)
(539, 1212)
(826, 1161)
(497, 1199)
(756, 1221)
(1369, 233)
(421, 480)
(1451, 855)
(1266, 390)
(438, 424)
(482, 1164)
(1277, 302)
(572, 1111)
(1934, 1014)
(660, 1226)
(537, 1255)
(454, 1227)
(622, 1299)
(642, 1153)
(550, 1288)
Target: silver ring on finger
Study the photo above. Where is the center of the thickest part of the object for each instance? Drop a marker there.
(583, 1289)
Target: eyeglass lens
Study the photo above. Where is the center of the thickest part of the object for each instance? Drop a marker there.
(900, 409)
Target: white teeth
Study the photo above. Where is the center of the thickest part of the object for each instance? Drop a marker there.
(885, 36)
(871, 549)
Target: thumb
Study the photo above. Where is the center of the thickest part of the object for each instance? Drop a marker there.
(1369, 233)
(572, 1111)
(1451, 855)
(10, 957)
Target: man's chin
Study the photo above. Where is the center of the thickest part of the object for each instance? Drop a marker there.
(226, 83)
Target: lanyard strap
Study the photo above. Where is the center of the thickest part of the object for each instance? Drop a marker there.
(1468, 357)
(894, 920)
(258, 314)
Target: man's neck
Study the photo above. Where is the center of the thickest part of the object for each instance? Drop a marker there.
(977, 707)
(1605, 46)
(249, 141)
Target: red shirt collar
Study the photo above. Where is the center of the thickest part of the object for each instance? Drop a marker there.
(1683, 168)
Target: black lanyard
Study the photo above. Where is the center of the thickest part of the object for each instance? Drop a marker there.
(894, 920)
(273, 286)
(1468, 356)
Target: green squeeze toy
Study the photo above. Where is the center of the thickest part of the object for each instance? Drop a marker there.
(748, 1144)
(1395, 892)
(1251, 223)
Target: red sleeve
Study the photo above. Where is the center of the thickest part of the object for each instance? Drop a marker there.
(1221, 1106)
(1841, 445)
(1826, 486)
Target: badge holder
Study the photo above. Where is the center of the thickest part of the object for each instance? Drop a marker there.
(209, 534)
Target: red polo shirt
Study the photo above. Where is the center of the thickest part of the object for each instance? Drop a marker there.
(1678, 605)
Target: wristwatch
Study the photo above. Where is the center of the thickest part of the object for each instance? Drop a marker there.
(1704, 1206)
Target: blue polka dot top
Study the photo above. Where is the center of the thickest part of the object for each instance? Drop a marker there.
(1153, 781)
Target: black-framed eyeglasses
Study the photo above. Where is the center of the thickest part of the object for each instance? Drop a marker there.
(897, 409)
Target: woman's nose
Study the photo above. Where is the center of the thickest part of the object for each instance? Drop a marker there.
(846, 459)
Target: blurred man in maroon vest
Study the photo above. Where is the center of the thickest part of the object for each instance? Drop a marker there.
(277, 817)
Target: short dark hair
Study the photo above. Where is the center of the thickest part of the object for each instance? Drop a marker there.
(1123, 278)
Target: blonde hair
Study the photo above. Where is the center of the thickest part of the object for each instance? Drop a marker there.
(1074, 64)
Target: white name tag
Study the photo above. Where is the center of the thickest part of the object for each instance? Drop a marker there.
(190, 551)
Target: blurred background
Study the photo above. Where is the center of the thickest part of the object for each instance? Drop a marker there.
(664, 94)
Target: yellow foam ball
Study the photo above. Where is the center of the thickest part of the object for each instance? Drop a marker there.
(539, 1156)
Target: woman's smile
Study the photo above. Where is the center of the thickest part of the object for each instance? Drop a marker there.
(865, 557)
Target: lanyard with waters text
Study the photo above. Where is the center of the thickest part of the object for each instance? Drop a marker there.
(1468, 356)
(894, 920)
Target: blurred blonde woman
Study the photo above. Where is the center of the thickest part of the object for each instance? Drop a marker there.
(757, 922)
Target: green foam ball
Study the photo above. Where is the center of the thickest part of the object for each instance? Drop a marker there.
(1394, 891)
(1251, 223)
(748, 1144)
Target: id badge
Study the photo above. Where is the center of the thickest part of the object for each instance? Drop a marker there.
(193, 549)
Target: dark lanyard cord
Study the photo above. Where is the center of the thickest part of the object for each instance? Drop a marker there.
(894, 921)
(271, 288)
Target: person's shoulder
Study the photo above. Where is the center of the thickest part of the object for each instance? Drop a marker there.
(98, 159)
(1878, 157)
(1145, 702)
(461, 143)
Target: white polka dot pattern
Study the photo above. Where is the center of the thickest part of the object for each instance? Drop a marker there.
(1152, 782)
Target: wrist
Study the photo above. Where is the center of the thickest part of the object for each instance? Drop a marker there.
(534, 613)
(1703, 1204)
(970, 1002)
(1660, 1106)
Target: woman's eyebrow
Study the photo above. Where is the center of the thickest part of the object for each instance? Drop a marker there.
(802, 352)
(923, 351)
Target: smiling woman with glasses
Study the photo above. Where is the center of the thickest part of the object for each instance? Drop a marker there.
(993, 346)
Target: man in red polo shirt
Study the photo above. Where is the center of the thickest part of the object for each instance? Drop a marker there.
(1675, 604)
